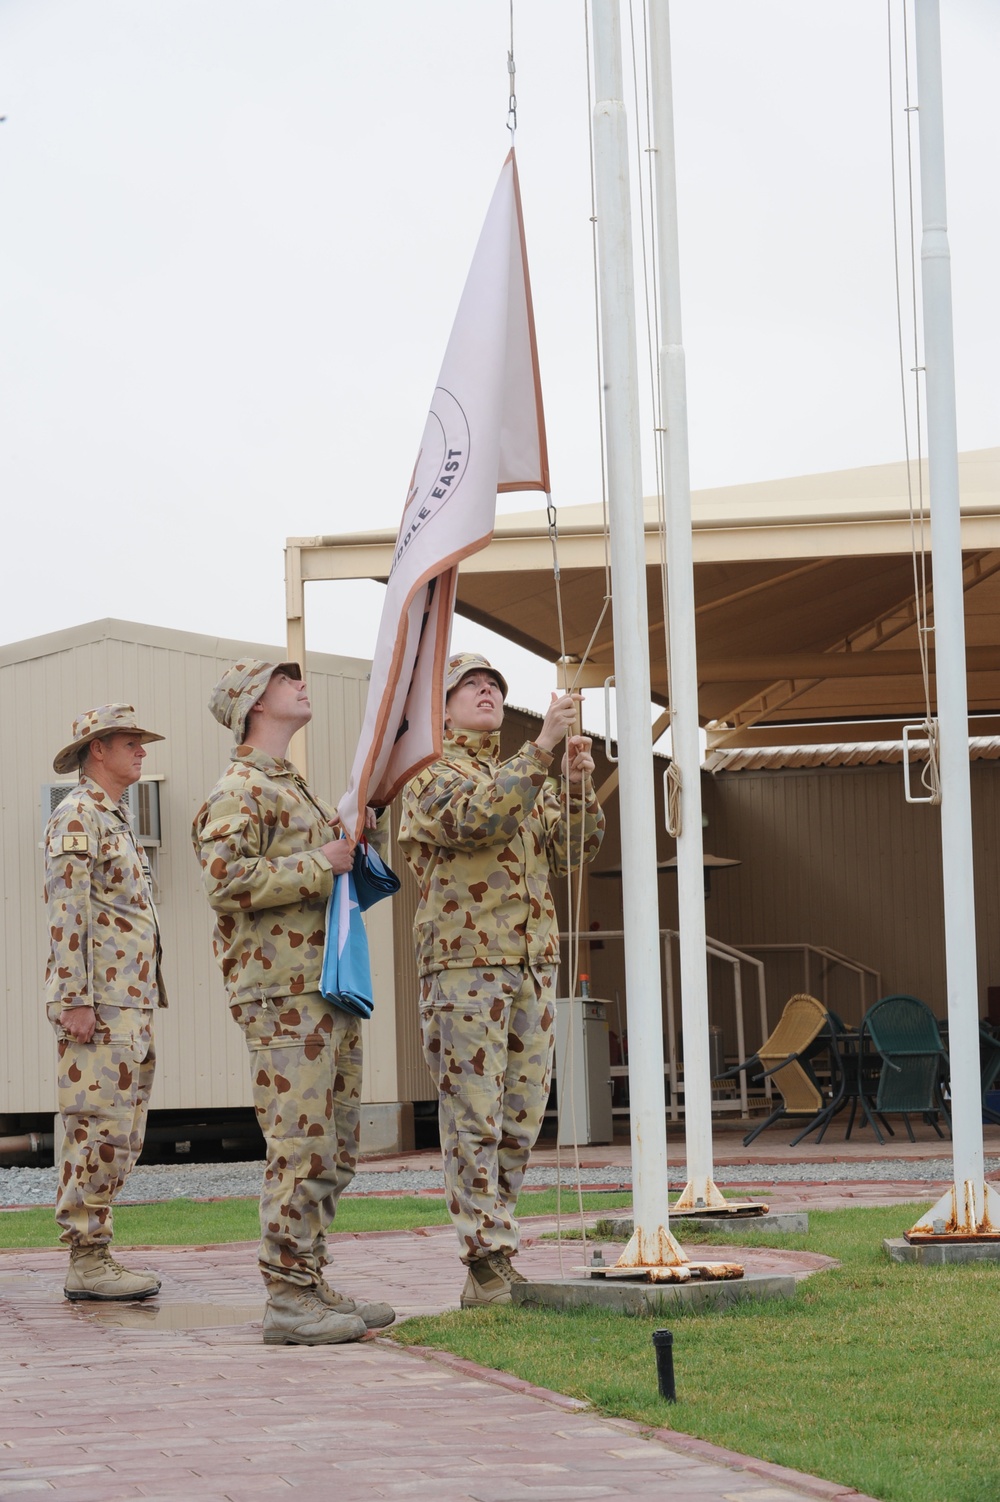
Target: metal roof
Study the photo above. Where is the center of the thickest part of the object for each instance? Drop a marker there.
(778, 758)
(804, 599)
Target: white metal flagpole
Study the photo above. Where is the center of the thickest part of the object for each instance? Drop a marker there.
(700, 1192)
(971, 1207)
(651, 1244)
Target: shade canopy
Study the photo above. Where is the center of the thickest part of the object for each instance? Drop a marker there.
(806, 599)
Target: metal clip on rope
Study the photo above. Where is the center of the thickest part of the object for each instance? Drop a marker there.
(609, 755)
(550, 516)
(927, 730)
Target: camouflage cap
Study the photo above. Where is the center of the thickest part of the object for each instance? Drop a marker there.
(107, 719)
(463, 663)
(239, 688)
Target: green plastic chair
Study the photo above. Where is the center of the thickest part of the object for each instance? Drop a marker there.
(903, 1031)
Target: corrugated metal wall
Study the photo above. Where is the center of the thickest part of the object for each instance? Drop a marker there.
(167, 675)
(837, 858)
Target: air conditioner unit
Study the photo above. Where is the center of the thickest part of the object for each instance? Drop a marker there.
(142, 800)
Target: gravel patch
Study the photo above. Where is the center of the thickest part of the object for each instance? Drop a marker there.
(37, 1186)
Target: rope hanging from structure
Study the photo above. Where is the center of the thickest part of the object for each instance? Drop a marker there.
(916, 499)
(511, 82)
(574, 892)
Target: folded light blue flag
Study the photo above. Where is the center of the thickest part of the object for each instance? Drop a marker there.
(346, 978)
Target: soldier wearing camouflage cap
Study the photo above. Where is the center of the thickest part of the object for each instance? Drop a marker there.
(483, 837)
(102, 985)
(269, 858)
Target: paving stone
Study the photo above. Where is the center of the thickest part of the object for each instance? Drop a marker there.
(92, 1411)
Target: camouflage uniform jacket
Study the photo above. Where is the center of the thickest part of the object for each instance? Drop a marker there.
(104, 940)
(482, 837)
(258, 839)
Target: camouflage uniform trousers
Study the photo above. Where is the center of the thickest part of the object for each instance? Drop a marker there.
(488, 1038)
(305, 1066)
(103, 1095)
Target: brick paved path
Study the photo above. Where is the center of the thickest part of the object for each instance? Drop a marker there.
(95, 1410)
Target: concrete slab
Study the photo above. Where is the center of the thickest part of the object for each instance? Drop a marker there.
(627, 1297)
(785, 1221)
(939, 1253)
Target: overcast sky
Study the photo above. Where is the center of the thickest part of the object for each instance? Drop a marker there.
(235, 233)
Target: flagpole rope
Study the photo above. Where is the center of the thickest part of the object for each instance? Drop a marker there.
(511, 83)
(651, 286)
(599, 360)
(565, 1082)
(930, 777)
(574, 902)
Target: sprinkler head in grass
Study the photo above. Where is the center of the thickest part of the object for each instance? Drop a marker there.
(663, 1346)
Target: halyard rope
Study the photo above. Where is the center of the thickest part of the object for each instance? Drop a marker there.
(930, 777)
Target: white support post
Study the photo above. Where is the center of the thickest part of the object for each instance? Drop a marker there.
(651, 1244)
(700, 1192)
(971, 1207)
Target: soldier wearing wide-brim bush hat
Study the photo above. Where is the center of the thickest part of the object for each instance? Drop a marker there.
(240, 688)
(94, 725)
(102, 987)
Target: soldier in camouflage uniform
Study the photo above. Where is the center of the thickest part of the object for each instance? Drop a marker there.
(102, 984)
(269, 860)
(483, 837)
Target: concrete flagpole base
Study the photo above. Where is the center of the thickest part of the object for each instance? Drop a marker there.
(956, 1218)
(629, 1296)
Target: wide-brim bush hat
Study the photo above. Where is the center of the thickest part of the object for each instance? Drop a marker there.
(106, 719)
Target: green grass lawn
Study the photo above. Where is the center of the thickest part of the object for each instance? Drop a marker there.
(878, 1376)
(203, 1223)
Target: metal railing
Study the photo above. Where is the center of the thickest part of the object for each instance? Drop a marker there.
(725, 954)
(829, 960)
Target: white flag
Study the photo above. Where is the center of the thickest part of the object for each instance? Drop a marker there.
(485, 432)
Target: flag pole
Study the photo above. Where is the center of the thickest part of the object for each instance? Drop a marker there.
(700, 1192)
(971, 1208)
(652, 1244)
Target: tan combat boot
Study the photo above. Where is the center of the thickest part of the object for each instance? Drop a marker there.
(376, 1316)
(297, 1316)
(94, 1274)
(489, 1282)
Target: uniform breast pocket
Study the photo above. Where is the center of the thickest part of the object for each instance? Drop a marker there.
(115, 861)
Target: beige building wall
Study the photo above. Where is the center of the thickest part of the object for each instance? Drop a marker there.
(167, 675)
(831, 857)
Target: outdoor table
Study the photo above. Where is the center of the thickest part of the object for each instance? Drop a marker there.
(852, 1063)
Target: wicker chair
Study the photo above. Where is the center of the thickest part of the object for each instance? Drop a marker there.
(784, 1059)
